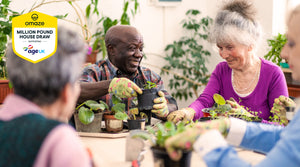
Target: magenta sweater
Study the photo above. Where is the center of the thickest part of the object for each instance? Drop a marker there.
(271, 85)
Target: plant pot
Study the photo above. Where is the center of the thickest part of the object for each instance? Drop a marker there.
(136, 124)
(162, 159)
(92, 58)
(203, 119)
(112, 124)
(145, 102)
(93, 127)
(4, 90)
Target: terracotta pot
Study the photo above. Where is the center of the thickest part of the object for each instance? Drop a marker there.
(92, 58)
(4, 90)
(162, 159)
(93, 127)
(112, 124)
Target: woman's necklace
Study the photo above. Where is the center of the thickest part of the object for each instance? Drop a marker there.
(257, 73)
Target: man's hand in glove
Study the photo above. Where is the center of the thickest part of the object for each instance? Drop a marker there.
(184, 115)
(160, 107)
(124, 88)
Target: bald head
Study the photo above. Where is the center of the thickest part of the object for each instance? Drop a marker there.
(124, 47)
(120, 33)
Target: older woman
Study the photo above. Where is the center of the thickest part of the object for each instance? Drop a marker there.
(250, 80)
(32, 128)
(280, 144)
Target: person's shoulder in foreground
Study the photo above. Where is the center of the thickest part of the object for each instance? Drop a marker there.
(44, 98)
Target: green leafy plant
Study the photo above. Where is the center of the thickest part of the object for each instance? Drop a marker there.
(158, 134)
(87, 110)
(6, 16)
(149, 85)
(220, 107)
(134, 114)
(118, 108)
(187, 57)
(276, 44)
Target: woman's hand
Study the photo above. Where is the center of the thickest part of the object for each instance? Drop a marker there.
(184, 115)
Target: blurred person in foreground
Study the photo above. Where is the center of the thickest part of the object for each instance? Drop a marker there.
(280, 144)
(243, 79)
(33, 120)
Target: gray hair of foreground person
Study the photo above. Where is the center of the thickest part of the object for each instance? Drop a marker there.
(43, 82)
(237, 22)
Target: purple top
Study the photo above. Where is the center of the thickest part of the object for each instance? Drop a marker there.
(62, 147)
(271, 84)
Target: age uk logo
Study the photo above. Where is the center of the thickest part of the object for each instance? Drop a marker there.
(33, 51)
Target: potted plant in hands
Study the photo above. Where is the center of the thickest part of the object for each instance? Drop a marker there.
(145, 100)
(114, 118)
(88, 116)
(157, 137)
(220, 108)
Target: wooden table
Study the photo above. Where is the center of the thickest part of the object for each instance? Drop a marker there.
(110, 152)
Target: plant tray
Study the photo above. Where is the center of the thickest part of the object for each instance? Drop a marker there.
(105, 134)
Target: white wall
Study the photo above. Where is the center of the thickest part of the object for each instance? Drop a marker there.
(160, 25)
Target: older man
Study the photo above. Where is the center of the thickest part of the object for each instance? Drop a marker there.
(125, 52)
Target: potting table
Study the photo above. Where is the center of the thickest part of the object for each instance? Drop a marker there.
(110, 152)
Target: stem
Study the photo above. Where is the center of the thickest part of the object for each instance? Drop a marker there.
(195, 91)
(85, 31)
(79, 106)
(44, 3)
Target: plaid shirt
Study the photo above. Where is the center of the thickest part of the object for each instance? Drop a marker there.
(104, 70)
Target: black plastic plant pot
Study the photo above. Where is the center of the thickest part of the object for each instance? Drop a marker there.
(145, 100)
(162, 158)
(136, 124)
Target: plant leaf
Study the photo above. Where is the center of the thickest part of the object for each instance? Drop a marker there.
(120, 107)
(219, 99)
(121, 116)
(85, 115)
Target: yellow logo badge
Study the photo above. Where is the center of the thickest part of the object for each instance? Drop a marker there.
(34, 36)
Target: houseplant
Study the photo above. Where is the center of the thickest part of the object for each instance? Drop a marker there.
(229, 108)
(220, 108)
(276, 44)
(136, 119)
(114, 118)
(187, 56)
(145, 100)
(6, 16)
(157, 137)
(88, 116)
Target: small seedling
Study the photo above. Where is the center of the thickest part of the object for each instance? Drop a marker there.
(149, 85)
